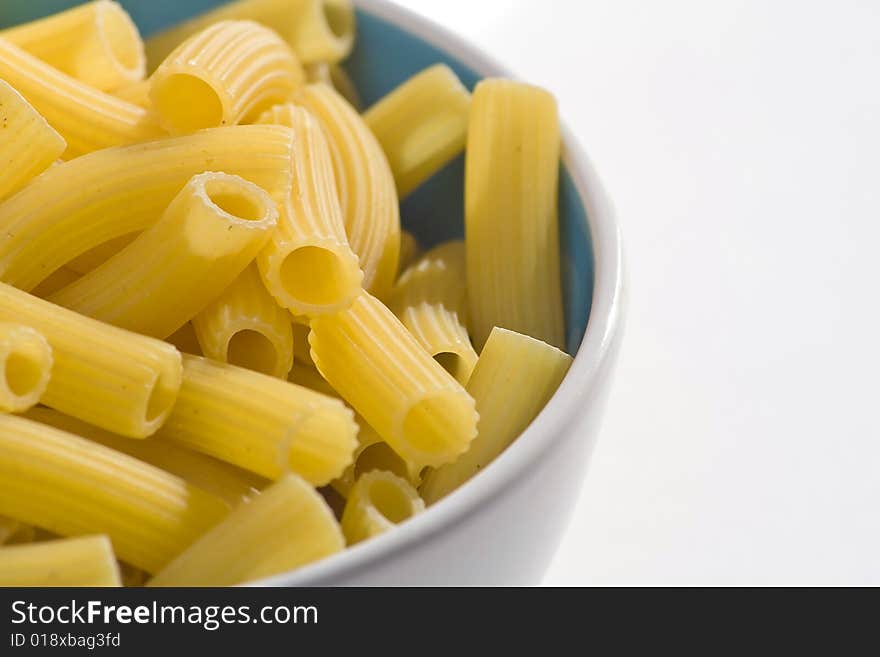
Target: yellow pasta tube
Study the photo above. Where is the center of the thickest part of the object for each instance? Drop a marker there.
(286, 526)
(365, 185)
(317, 30)
(71, 486)
(224, 75)
(377, 502)
(107, 376)
(82, 561)
(374, 363)
(511, 231)
(308, 266)
(514, 378)
(227, 482)
(208, 235)
(431, 301)
(260, 423)
(336, 77)
(97, 43)
(245, 327)
(63, 213)
(25, 366)
(29, 145)
(421, 125)
(137, 93)
(410, 250)
(88, 119)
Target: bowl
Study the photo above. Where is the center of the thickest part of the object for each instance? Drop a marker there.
(503, 526)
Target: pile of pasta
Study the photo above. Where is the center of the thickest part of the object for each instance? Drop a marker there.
(220, 356)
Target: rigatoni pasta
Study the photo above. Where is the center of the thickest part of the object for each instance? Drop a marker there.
(88, 119)
(25, 367)
(430, 299)
(63, 214)
(421, 125)
(511, 227)
(71, 486)
(376, 365)
(514, 378)
(219, 270)
(227, 482)
(317, 30)
(376, 503)
(287, 525)
(29, 143)
(308, 265)
(365, 184)
(97, 43)
(208, 235)
(121, 381)
(260, 423)
(82, 561)
(228, 73)
(244, 326)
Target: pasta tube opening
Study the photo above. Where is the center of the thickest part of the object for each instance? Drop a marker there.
(391, 500)
(206, 237)
(97, 43)
(163, 394)
(377, 502)
(253, 350)
(314, 275)
(230, 72)
(455, 364)
(187, 103)
(25, 367)
(119, 38)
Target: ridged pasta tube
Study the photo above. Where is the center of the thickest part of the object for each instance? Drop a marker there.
(227, 482)
(260, 423)
(82, 561)
(121, 381)
(308, 266)
(72, 486)
(25, 367)
(301, 352)
(63, 213)
(365, 184)
(511, 227)
(422, 125)
(373, 453)
(374, 363)
(29, 145)
(377, 502)
(244, 326)
(137, 93)
(514, 378)
(207, 236)
(226, 74)
(97, 43)
(317, 30)
(430, 299)
(88, 119)
(286, 526)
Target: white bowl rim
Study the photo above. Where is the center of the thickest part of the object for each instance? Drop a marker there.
(603, 329)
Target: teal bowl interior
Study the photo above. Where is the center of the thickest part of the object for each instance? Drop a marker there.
(385, 56)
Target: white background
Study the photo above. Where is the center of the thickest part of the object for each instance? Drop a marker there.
(740, 143)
